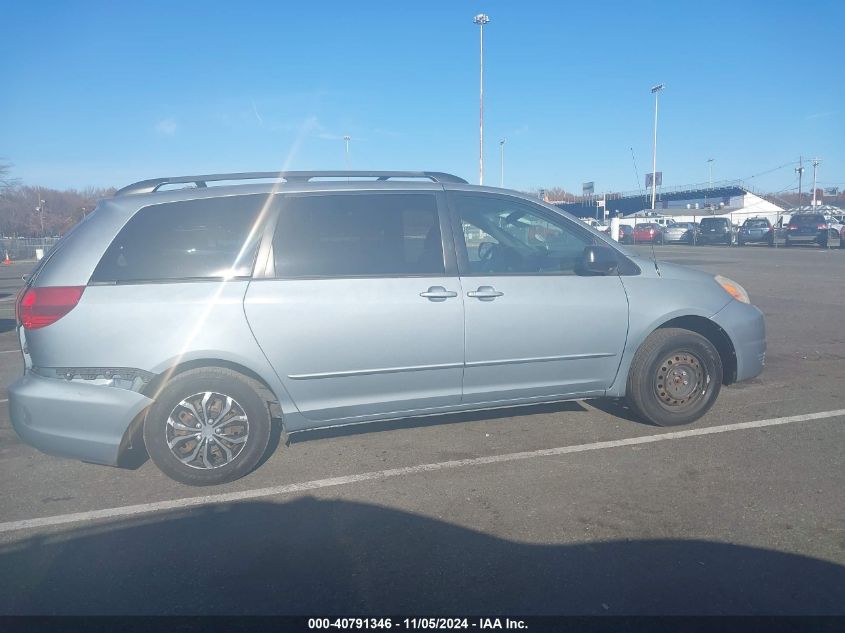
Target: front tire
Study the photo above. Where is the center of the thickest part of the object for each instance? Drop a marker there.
(208, 426)
(675, 377)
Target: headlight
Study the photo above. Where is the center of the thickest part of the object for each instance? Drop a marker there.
(733, 288)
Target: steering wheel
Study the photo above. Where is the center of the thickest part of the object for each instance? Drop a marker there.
(485, 251)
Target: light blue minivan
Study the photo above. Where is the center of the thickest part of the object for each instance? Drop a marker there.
(186, 315)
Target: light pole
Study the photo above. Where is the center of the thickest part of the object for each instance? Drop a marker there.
(346, 140)
(656, 92)
(481, 19)
(502, 161)
(816, 162)
(800, 171)
(710, 172)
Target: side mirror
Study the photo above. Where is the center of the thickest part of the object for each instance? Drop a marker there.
(597, 260)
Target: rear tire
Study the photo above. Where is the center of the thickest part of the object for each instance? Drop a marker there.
(675, 377)
(208, 426)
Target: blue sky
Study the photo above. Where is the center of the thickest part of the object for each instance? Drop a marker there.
(105, 93)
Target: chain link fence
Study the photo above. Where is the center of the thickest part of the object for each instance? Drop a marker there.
(25, 248)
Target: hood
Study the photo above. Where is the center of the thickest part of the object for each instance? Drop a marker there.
(671, 271)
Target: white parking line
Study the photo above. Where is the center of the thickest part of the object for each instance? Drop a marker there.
(177, 504)
(11, 351)
(4, 400)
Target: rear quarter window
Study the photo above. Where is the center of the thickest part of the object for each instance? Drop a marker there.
(211, 238)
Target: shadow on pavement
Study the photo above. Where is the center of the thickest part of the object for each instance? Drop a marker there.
(7, 325)
(309, 556)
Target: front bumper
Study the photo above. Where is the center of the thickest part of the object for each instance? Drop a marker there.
(746, 327)
(73, 419)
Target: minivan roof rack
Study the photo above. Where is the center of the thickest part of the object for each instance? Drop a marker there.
(154, 184)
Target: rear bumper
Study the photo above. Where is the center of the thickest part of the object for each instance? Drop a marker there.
(746, 327)
(73, 419)
(809, 239)
(722, 238)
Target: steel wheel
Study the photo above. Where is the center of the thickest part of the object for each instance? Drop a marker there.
(680, 381)
(207, 430)
(674, 378)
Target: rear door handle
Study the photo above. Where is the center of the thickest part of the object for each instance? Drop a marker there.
(438, 293)
(485, 293)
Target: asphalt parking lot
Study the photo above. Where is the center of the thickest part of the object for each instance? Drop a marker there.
(477, 513)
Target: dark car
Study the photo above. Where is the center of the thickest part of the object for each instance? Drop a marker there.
(756, 231)
(648, 232)
(626, 234)
(813, 228)
(716, 231)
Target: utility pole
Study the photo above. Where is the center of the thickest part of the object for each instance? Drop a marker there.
(800, 171)
(346, 140)
(502, 161)
(481, 19)
(816, 162)
(656, 92)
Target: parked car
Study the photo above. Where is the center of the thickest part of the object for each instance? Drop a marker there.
(598, 226)
(716, 231)
(681, 233)
(648, 232)
(756, 230)
(188, 322)
(813, 228)
(626, 234)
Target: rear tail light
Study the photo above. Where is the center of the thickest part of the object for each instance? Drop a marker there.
(40, 307)
(822, 227)
(792, 227)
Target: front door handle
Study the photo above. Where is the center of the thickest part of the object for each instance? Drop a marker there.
(438, 293)
(485, 293)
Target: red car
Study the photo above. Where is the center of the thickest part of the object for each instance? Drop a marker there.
(648, 232)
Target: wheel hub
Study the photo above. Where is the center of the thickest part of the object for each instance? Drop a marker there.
(680, 380)
(207, 430)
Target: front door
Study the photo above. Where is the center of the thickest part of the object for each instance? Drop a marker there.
(534, 328)
(360, 317)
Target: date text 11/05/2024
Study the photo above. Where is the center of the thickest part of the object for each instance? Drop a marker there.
(416, 623)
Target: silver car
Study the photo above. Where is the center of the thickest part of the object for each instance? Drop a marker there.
(681, 233)
(187, 321)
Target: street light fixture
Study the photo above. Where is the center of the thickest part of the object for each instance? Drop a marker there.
(655, 90)
(502, 160)
(346, 140)
(481, 19)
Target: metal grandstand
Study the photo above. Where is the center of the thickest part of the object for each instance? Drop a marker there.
(628, 202)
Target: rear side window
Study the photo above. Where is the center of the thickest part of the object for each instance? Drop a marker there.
(212, 238)
(352, 235)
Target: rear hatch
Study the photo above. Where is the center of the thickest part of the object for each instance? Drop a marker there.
(806, 224)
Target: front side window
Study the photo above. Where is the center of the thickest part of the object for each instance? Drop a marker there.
(212, 238)
(358, 235)
(507, 236)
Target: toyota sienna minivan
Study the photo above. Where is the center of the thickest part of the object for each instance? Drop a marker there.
(186, 315)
